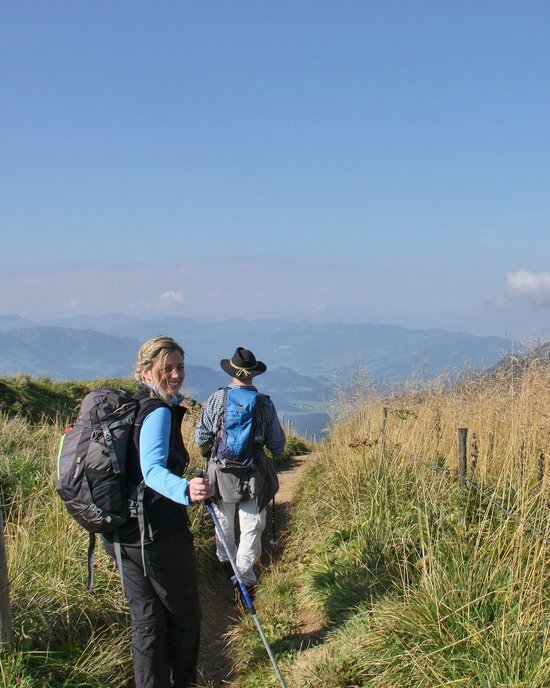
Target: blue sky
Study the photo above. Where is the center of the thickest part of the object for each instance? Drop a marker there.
(364, 161)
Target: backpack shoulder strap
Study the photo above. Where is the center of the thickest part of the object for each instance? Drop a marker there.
(259, 418)
(221, 420)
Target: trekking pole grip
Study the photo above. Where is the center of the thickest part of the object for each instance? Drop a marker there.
(199, 473)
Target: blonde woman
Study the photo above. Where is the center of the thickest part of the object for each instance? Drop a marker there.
(157, 556)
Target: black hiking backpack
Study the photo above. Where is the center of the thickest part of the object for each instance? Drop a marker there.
(91, 464)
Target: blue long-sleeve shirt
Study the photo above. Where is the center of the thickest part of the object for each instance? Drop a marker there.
(154, 447)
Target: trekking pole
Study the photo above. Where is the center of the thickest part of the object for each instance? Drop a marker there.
(202, 474)
(242, 586)
(273, 540)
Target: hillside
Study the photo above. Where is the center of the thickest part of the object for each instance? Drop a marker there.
(326, 351)
(516, 366)
(65, 354)
(389, 574)
(395, 576)
(44, 400)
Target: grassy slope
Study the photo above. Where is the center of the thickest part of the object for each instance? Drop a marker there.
(40, 399)
(63, 635)
(413, 582)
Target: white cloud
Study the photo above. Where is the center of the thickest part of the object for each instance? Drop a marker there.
(531, 286)
(172, 298)
(169, 302)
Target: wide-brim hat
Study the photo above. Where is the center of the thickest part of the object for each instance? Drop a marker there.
(243, 363)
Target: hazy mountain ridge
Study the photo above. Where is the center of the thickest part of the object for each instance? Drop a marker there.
(329, 350)
(306, 362)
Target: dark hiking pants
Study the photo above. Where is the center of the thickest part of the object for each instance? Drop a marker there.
(165, 611)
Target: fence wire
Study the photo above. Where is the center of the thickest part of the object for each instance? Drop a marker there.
(486, 495)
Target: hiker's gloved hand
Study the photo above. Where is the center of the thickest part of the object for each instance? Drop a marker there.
(200, 489)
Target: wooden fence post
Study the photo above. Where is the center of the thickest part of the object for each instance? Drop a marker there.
(383, 432)
(6, 629)
(462, 458)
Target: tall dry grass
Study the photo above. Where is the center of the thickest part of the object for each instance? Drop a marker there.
(411, 580)
(64, 635)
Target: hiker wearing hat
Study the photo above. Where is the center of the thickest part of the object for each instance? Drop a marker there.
(236, 423)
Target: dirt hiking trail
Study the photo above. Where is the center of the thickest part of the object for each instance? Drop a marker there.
(220, 613)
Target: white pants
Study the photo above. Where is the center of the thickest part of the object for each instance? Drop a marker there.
(251, 527)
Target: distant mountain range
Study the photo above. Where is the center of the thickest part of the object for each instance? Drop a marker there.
(307, 363)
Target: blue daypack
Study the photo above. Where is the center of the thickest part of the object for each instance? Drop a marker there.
(242, 426)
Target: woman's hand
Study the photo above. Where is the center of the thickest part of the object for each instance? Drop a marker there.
(200, 489)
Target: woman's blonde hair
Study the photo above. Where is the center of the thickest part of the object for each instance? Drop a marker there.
(154, 351)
